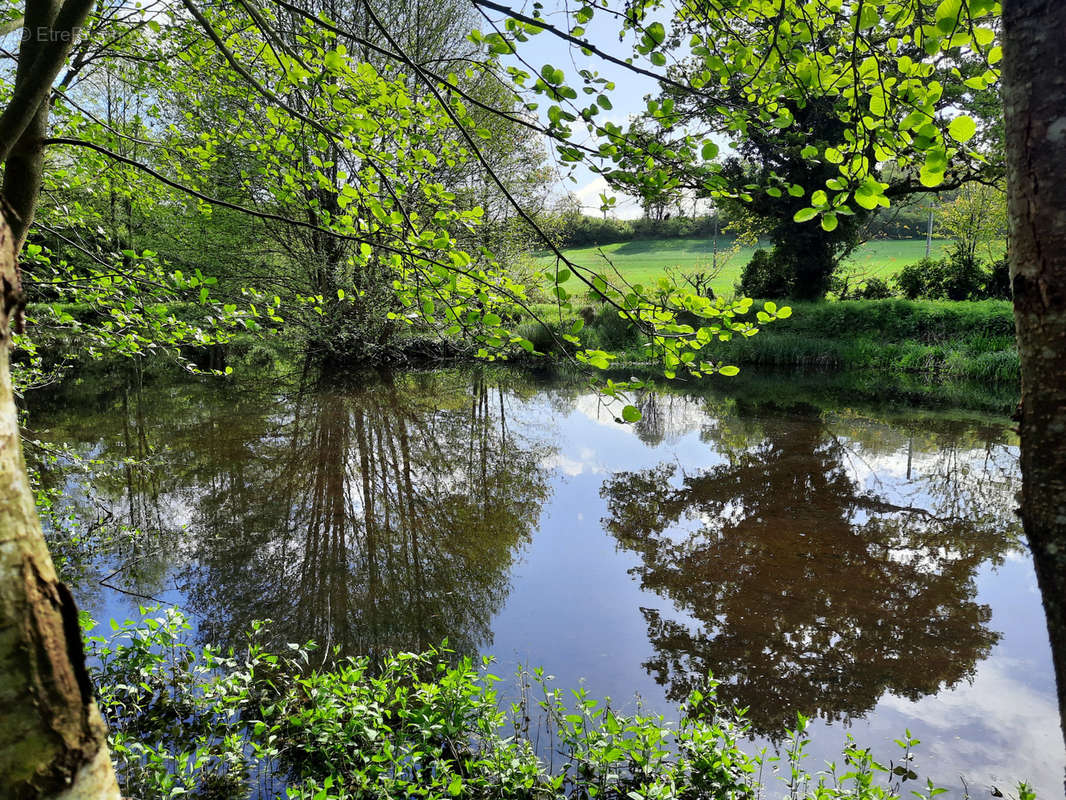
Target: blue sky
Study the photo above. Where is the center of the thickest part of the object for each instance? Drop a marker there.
(627, 98)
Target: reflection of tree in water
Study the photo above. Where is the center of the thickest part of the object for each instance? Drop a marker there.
(113, 509)
(382, 516)
(371, 519)
(808, 593)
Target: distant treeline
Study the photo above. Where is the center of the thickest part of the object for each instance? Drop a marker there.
(579, 230)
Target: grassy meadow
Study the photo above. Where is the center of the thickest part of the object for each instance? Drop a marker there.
(645, 260)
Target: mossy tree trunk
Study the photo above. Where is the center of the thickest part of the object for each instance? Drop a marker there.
(1034, 92)
(53, 741)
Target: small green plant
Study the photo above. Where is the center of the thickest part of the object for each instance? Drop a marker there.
(188, 721)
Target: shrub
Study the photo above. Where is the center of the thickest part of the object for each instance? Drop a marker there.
(543, 336)
(875, 289)
(765, 277)
(614, 332)
(957, 277)
(997, 284)
(913, 280)
(202, 723)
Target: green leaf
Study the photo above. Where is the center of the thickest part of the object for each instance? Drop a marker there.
(729, 371)
(962, 128)
(631, 414)
(333, 60)
(805, 215)
(931, 178)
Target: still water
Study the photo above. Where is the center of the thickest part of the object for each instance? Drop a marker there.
(859, 564)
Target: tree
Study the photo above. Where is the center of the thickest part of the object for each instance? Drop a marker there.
(1034, 97)
(976, 220)
(777, 151)
(53, 742)
(836, 109)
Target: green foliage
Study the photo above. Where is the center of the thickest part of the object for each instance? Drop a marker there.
(959, 340)
(912, 280)
(955, 277)
(766, 276)
(188, 720)
(875, 289)
(997, 285)
(826, 134)
(614, 331)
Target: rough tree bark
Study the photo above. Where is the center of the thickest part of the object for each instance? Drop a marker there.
(1034, 92)
(53, 742)
(48, 33)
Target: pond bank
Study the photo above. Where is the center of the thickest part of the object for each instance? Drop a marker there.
(956, 340)
(967, 340)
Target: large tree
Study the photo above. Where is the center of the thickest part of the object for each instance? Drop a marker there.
(1034, 95)
(53, 741)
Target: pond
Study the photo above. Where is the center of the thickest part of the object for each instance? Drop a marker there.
(858, 562)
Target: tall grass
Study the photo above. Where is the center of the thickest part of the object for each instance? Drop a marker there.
(952, 340)
(972, 341)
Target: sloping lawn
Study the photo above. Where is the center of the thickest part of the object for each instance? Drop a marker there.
(646, 260)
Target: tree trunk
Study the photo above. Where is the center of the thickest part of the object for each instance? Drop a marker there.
(53, 741)
(1034, 93)
(48, 33)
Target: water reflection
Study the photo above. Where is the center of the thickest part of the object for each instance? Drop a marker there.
(796, 584)
(816, 556)
(371, 519)
(380, 516)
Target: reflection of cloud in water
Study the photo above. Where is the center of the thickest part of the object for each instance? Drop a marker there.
(592, 407)
(666, 417)
(567, 465)
(996, 730)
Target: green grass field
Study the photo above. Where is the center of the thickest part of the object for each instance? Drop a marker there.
(645, 260)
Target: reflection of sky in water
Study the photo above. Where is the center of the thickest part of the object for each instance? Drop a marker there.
(575, 609)
(572, 612)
